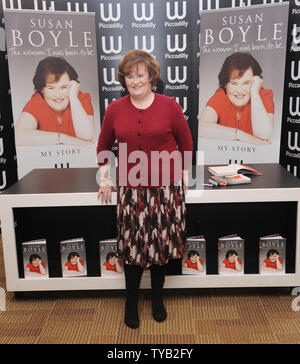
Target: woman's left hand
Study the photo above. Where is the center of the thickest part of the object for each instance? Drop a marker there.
(74, 88)
(185, 180)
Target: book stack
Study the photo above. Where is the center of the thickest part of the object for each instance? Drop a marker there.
(231, 255)
(194, 259)
(232, 174)
(272, 254)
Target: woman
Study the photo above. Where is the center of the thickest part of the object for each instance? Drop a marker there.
(273, 262)
(150, 213)
(193, 262)
(112, 265)
(241, 109)
(36, 267)
(58, 112)
(74, 265)
(231, 263)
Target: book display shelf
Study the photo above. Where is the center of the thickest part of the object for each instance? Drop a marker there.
(62, 204)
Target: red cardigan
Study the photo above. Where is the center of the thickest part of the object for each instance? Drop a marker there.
(161, 127)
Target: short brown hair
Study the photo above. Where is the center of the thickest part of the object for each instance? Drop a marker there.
(55, 66)
(131, 60)
(241, 62)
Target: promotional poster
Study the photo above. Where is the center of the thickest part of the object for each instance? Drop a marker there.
(52, 60)
(8, 161)
(242, 54)
(290, 139)
(166, 30)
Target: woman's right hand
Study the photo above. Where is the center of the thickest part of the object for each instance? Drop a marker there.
(104, 193)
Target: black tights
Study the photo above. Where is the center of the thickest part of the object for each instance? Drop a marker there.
(133, 275)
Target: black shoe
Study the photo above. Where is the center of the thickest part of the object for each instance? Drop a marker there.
(131, 314)
(159, 312)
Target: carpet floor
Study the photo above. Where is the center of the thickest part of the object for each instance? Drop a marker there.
(195, 316)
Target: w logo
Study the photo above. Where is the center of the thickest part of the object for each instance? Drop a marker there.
(144, 43)
(143, 16)
(112, 80)
(107, 102)
(295, 146)
(295, 32)
(176, 11)
(288, 168)
(293, 74)
(177, 78)
(4, 182)
(112, 48)
(111, 16)
(209, 5)
(184, 105)
(1, 147)
(296, 111)
(176, 47)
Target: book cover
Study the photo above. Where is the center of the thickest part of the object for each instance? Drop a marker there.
(73, 258)
(228, 37)
(272, 254)
(234, 179)
(35, 259)
(35, 36)
(110, 263)
(233, 169)
(194, 258)
(231, 255)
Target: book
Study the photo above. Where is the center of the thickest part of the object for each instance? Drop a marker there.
(231, 255)
(272, 254)
(194, 258)
(233, 169)
(35, 259)
(73, 258)
(110, 263)
(235, 179)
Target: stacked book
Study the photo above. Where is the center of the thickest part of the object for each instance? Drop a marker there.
(232, 174)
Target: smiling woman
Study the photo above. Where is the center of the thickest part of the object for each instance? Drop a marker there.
(150, 197)
(58, 112)
(241, 109)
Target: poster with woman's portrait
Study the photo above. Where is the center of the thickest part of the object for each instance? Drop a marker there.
(242, 62)
(52, 60)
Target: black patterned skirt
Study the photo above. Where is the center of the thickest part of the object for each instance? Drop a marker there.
(151, 225)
